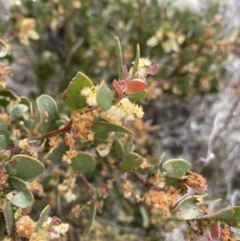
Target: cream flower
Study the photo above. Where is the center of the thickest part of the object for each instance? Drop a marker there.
(125, 109)
(90, 95)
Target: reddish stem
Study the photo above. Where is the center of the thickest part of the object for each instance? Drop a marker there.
(144, 181)
(55, 132)
(87, 185)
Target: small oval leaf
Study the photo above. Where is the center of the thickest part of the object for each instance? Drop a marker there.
(187, 209)
(83, 162)
(138, 96)
(118, 149)
(18, 111)
(48, 113)
(135, 86)
(72, 95)
(104, 96)
(176, 168)
(131, 161)
(24, 167)
(20, 196)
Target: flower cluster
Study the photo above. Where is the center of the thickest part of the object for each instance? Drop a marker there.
(4, 73)
(27, 30)
(123, 110)
(90, 94)
(51, 229)
(81, 123)
(196, 181)
(162, 201)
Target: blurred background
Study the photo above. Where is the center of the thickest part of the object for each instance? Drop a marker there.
(193, 107)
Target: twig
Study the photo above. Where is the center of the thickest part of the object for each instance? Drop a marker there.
(145, 182)
(55, 132)
(87, 185)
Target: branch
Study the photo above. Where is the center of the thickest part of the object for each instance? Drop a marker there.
(65, 128)
(87, 185)
(145, 182)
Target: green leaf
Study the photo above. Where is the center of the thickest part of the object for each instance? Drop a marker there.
(20, 196)
(120, 57)
(48, 113)
(224, 214)
(83, 162)
(187, 56)
(72, 95)
(107, 127)
(24, 167)
(2, 226)
(6, 96)
(3, 49)
(170, 181)
(129, 147)
(91, 219)
(187, 209)
(104, 96)
(3, 143)
(234, 221)
(231, 215)
(43, 217)
(138, 96)
(4, 130)
(131, 161)
(118, 149)
(8, 216)
(17, 111)
(176, 168)
(136, 61)
(145, 216)
(57, 153)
